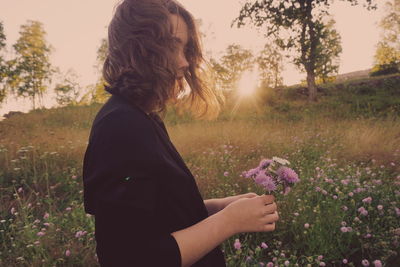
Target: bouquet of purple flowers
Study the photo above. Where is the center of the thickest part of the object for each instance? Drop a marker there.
(270, 174)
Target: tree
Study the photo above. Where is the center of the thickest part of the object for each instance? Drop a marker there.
(97, 91)
(294, 25)
(231, 65)
(387, 55)
(67, 92)
(270, 65)
(31, 69)
(3, 65)
(329, 49)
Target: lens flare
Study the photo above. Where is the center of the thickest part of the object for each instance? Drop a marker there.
(248, 83)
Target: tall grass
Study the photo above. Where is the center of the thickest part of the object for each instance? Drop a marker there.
(341, 161)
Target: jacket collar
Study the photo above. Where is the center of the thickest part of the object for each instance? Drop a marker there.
(160, 130)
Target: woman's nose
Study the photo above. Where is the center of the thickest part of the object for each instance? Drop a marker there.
(183, 63)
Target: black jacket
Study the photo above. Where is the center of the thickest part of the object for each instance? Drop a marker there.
(139, 189)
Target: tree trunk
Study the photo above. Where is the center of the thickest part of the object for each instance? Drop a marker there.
(33, 102)
(312, 89)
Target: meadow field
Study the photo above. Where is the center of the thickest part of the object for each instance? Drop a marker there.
(345, 211)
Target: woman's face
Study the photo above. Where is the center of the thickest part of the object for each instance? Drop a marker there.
(180, 33)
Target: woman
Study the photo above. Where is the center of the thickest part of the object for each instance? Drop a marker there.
(147, 207)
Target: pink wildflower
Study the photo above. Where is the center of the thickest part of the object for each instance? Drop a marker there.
(80, 233)
(40, 233)
(377, 263)
(344, 261)
(263, 245)
(367, 200)
(46, 216)
(67, 253)
(365, 262)
(363, 211)
(237, 244)
(226, 174)
(379, 207)
(306, 225)
(397, 211)
(345, 182)
(343, 229)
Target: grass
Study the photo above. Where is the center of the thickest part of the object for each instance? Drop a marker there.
(341, 157)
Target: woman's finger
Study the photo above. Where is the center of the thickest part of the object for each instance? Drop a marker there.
(269, 227)
(270, 208)
(272, 217)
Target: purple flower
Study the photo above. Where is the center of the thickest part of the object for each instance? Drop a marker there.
(264, 163)
(260, 177)
(226, 174)
(67, 253)
(250, 173)
(269, 184)
(270, 264)
(287, 174)
(266, 181)
(306, 225)
(263, 245)
(344, 261)
(343, 229)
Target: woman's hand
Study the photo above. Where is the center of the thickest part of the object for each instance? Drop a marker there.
(255, 214)
(228, 200)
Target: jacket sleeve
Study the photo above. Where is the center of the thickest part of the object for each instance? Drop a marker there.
(122, 172)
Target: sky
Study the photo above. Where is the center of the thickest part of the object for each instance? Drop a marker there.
(75, 27)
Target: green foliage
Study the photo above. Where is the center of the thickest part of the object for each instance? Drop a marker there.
(385, 69)
(387, 55)
(67, 92)
(328, 52)
(3, 65)
(315, 45)
(31, 68)
(270, 64)
(232, 64)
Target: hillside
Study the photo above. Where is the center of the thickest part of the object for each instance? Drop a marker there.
(345, 149)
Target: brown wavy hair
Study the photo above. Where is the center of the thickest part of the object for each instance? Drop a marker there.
(141, 63)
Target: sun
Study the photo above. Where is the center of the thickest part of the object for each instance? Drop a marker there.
(248, 83)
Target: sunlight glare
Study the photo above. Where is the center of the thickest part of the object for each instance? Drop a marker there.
(248, 83)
